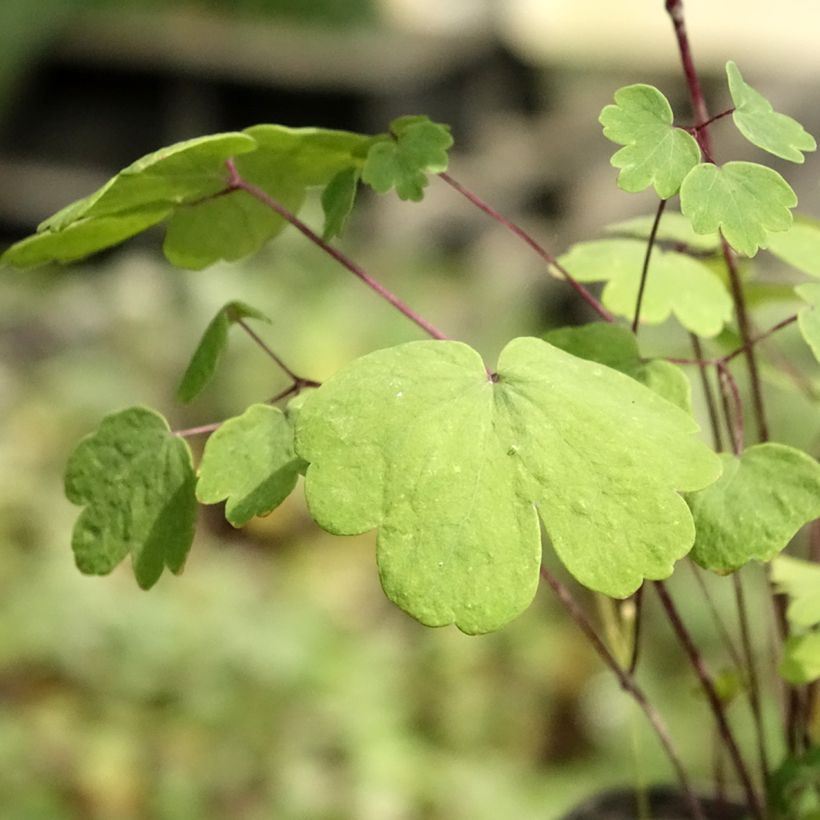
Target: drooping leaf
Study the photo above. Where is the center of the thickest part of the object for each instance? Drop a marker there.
(337, 201)
(135, 480)
(616, 347)
(455, 468)
(755, 508)
(81, 238)
(676, 283)
(762, 125)
(417, 147)
(673, 227)
(799, 246)
(655, 152)
(801, 658)
(746, 201)
(250, 462)
(800, 581)
(794, 788)
(206, 357)
(808, 319)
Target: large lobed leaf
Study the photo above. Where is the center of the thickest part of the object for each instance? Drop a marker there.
(455, 469)
(250, 462)
(762, 125)
(655, 152)
(676, 283)
(674, 228)
(799, 246)
(135, 480)
(744, 200)
(755, 508)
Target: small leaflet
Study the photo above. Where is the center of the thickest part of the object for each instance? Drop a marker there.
(209, 351)
(250, 463)
(655, 152)
(337, 201)
(808, 319)
(744, 200)
(762, 125)
(135, 480)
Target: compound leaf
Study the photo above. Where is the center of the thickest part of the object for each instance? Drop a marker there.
(800, 581)
(676, 283)
(81, 238)
(799, 246)
(136, 481)
(455, 468)
(250, 462)
(417, 147)
(337, 201)
(762, 125)
(808, 319)
(755, 508)
(746, 201)
(655, 152)
(206, 357)
(801, 658)
(616, 347)
(674, 227)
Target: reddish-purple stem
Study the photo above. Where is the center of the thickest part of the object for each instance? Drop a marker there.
(628, 684)
(708, 394)
(198, 431)
(270, 352)
(733, 409)
(237, 183)
(529, 240)
(645, 270)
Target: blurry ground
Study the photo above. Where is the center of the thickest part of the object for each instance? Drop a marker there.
(273, 679)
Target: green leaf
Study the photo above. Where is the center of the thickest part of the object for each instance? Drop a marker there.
(250, 462)
(794, 788)
(655, 152)
(808, 319)
(676, 283)
(801, 658)
(616, 347)
(800, 580)
(81, 238)
(746, 201)
(417, 147)
(752, 512)
(455, 469)
(761, 125)
(673, 227)
(136, 481)
(337, 201)
(799, 246)
(206, 357)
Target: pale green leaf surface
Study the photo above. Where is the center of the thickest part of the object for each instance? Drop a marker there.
(755, 508)
(135, 480)
(808, 319)
(799, 246)
(179, 173)
(800, 581)
(81, 238)
(762, 125)
(455, 470)
(676, 283)
(417, 147)
(337, 201)
(249, 461)
(616, 346)
(212, 345)
(744, 200)
(655, 152)
(673, 227)
(801, 658)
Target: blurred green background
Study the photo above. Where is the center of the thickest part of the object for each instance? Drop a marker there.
(273, 679)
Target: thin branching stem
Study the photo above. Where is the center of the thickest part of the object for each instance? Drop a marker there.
(628, 684)
(708, 686)
(708, 393)
(529, 240)
(268, 350)
(237, 183)
(650, 244)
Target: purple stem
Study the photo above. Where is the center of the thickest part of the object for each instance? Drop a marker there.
(264, 346)
(237, 183)
(538, 248)
(645, 270)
